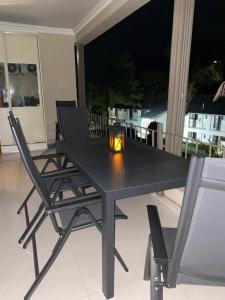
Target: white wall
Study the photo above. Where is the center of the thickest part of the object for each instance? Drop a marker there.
(58, 74)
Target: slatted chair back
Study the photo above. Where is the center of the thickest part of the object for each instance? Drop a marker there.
(27, 159)
(65, 103)
(199, 250)
(73, 121)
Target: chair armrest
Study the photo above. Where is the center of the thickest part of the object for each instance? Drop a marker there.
(60, 173)
(159, 248)
(48, 156)
(74, 202)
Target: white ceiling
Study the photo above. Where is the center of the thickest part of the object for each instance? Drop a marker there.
(53, 13)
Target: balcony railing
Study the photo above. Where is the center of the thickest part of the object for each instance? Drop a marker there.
(99, 125)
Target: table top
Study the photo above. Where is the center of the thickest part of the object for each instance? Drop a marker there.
(139, 170)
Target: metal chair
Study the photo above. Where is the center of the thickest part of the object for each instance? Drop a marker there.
(61, 103)
(51, 160)
(56, 180)
(74, 212)
(194, 252)
(73, 121)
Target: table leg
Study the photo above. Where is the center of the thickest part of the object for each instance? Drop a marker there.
(108, 243)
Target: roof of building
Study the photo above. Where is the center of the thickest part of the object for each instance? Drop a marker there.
(204, 104)
(154, 110)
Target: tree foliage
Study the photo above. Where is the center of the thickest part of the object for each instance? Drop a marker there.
(112, 79)
(155, 85)
(202, 80)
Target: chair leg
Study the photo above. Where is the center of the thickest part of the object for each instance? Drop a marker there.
(31, 223)
(99, 227)
(35, 229)
(58, 247)
(26, 200)
(156, 291)
(34, 245)
(147, 263)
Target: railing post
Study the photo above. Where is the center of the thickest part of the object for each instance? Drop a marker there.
(186, 149)
(210, 150)
(160, 145)
(153, 137)
(106, 122)
(160, 136)
(125, 129)
(196, 147)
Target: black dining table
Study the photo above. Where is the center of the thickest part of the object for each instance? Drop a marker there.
(139, 170)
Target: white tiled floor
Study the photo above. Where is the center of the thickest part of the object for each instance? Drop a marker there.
(76, 273)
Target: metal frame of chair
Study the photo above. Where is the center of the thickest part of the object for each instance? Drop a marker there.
(50, 159)
(53, 205)
(192, 253)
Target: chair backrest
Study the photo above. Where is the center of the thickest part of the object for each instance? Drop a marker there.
(27, 159)
(73, 121)
(199, 250)
(64, 103)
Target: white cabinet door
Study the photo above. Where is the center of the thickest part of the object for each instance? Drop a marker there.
(24, 90)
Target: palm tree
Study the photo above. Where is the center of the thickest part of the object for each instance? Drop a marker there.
(220, 92)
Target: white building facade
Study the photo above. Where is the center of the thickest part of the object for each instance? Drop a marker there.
(207, 128)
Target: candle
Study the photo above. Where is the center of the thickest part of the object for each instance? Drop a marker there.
(117, 144)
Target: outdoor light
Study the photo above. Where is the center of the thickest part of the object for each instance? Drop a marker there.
(116, 138)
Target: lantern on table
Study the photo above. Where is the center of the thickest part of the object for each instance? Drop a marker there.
(116, 138)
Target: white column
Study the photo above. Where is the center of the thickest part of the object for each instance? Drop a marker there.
(179, 71)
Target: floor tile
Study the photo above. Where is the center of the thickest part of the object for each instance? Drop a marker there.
(137, 290)
(204, 292)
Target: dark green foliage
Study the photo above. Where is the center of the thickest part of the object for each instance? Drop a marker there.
(112, 79)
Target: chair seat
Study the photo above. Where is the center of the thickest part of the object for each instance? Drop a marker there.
(84, 221)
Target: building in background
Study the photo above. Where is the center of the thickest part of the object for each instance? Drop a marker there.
(204, 120)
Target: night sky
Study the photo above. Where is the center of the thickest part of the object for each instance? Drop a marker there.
(146, 35)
